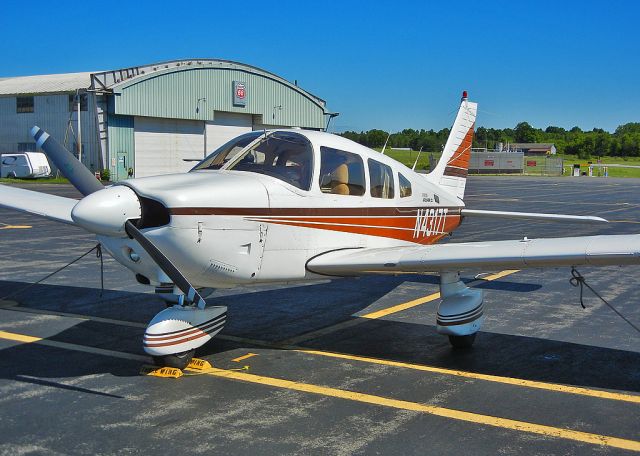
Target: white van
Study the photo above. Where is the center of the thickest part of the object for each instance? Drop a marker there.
(25, 165)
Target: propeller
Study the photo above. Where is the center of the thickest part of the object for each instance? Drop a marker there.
(70, 166)
(110, 211)
(190, 293)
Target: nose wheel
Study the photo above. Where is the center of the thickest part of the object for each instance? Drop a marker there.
(177, 360)
(462, 341)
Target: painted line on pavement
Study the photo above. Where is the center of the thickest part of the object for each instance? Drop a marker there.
(360, 319)
(600, 394)
(68, 346)
(475, 418)
(242, 358)
(432, 297)
(555, 387)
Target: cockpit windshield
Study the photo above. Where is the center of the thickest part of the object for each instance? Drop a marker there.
(285, 155)
(227, 151)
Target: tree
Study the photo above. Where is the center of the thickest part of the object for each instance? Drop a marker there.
(525, 133)
(624, 142)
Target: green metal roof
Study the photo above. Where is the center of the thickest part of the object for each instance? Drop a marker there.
(195, 89)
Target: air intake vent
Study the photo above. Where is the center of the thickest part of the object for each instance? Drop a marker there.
(154, 213)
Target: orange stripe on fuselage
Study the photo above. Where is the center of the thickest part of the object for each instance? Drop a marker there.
(421, 225)
(369, 228)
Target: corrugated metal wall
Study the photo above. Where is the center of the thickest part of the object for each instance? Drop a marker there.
(179, 94)
(121, 140)
(51, 112)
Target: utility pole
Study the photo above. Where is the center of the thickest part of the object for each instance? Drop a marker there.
(79, 127)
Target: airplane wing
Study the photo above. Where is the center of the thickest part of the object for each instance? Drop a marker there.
(517, 254)
(533, 216)
(52, 207)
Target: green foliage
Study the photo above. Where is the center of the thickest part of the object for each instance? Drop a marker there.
(624, 142)
(105, 175)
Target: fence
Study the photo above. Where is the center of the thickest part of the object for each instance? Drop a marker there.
(514, 163)
(496, 163)
(544, 166)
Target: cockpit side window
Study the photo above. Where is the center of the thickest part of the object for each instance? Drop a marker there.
(285, 155)
(381, 177)
(341, 173)
(405, 186)
(227, 151)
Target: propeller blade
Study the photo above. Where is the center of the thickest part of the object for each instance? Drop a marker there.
(70, 166)
(190, 293)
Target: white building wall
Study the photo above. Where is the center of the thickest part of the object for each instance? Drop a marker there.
(51, 112)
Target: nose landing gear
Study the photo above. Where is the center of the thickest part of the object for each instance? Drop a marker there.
(173, 335)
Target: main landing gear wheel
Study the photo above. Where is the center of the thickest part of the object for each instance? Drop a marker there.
(178, 360)
(462, 341)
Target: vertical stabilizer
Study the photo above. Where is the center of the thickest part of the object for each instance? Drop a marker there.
(451, 171)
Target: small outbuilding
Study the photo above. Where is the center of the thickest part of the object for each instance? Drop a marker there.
(152, 119)
(534, 148)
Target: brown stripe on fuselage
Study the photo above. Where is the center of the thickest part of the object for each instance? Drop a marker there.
(310, 212)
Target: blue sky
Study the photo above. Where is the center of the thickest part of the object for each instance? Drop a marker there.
(387, 65)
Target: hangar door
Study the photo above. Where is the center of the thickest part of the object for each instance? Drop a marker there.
(227, 125)
(162, 144)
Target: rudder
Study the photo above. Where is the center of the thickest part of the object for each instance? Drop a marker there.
(452, 169)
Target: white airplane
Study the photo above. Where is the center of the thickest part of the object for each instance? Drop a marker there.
(295, 205)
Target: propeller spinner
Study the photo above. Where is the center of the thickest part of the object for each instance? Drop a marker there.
(173, 334)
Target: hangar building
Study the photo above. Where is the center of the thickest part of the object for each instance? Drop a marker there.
(147, 120)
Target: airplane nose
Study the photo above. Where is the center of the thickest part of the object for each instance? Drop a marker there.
(106, 211)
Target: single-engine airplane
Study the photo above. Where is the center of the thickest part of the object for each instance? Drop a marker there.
(295, 205)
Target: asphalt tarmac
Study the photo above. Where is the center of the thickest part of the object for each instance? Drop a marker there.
(347, 367)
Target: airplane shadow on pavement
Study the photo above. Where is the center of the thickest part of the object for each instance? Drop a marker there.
(276, 314)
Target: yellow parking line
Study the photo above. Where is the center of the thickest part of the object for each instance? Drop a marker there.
(599, 394)
(401, 307)
(504, 423)
(487, 377)
(241, 358)
(19, 337)
(69, 346)
(432, 297)
(14, 227)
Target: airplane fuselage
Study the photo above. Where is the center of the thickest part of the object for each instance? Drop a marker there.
(229, 227)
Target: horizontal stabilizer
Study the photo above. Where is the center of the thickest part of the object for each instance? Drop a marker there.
(52, 207)
(525, 253)
(533, 216)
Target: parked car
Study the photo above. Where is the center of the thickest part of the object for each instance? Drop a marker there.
(29, 165)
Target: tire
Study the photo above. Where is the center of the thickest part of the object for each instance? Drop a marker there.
(462, 341)
(12, 175)
(178, 360)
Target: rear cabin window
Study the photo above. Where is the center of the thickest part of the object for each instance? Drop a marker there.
(381, 178)
(227, 151)
(284, 155)
(405, 186)
(341, 173)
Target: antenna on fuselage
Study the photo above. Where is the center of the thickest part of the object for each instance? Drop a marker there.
(417, 158)
(385, 144)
